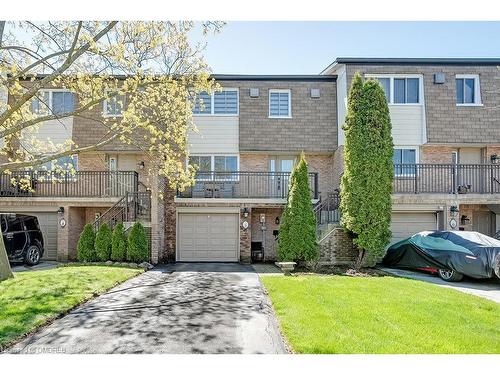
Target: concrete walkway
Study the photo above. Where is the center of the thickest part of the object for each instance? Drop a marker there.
(180, 308)
(489, 288)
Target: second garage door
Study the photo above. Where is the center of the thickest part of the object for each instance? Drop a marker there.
(406, 224)
(208, 237)
(48, 226)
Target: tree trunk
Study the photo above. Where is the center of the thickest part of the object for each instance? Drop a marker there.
(5, 271)
(359, 261)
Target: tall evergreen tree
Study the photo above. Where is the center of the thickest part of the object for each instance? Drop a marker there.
(85, 248)
(119, 243)
(366, 184)
(297, 236)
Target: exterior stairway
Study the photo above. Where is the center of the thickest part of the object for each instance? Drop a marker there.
(132, 207)
(327, 214)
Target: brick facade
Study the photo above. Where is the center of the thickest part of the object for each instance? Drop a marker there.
(337, 248)
(312, 127)
(265, 233)
(447, 122)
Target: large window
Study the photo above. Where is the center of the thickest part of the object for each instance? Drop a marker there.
(467, 90)
(399, 89)
(56, 102)
(205, 164)
(113, 107)
(405, 156)
(280, 103)
(220, 103)
(64, 163)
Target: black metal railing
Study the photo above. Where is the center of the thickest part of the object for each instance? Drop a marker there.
(446, 178)
(242, 184)
(327, 211)
(131, 207)
(68, 184)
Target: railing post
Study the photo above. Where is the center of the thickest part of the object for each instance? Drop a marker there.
(454, 178)
(491, 179)
(66, 184)
(415, 177)
(316, 185)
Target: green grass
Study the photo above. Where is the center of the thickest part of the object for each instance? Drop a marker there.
(340, 314)
(30, 299)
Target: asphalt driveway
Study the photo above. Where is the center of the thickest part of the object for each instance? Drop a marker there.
(180, 308)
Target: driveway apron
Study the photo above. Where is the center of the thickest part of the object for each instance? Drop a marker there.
(178, 308)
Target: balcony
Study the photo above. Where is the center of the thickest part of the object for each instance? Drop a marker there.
(446, 178)
(255, 185)
(79, 184)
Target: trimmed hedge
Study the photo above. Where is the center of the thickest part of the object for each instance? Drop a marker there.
(137, 247)
(103, 243)
(85, 248)
(119, 244)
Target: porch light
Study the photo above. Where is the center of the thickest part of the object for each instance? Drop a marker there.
(141, 164)
(494, 159)
(246, 211)
(453, 210)
(60, 210)
(277, 220)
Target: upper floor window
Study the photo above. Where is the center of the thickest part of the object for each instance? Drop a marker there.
(404, 156)
(400, 89)
(63, 163)
(223, 102)
(467, 89)
(113, 107)
(55, 102)
(280, 103)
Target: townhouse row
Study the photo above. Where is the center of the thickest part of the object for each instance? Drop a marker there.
(446, 130)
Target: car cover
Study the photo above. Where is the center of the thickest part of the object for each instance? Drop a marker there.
(469, 253)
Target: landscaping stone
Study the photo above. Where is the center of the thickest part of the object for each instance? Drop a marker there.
(286, 267)
(109, 263)
(133, 265)
(146, 266)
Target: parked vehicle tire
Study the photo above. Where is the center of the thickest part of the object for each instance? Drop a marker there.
(33, 255)
(450, 275)
(496, 266)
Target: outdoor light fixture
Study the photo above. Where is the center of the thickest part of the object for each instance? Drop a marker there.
(246, 211)
(494, 158)
(453, 210)
(141, 165)
(277, 220)
(60, 210)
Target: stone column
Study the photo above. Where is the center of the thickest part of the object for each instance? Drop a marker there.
(246, 237)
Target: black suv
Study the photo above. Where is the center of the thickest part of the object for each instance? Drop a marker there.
(22, 237)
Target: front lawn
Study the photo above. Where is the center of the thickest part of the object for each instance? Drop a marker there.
(341, 314)
(30, 299)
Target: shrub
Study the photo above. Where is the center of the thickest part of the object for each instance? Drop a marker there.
(85, 247)
(119, 244)
(103, 243)
(366, 184)
(297, 236)
(137, 247)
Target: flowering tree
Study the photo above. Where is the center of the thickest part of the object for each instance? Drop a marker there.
(149, 69)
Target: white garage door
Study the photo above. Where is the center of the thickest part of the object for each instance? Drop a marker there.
(406, 224)
(48, 226)
(208, 237)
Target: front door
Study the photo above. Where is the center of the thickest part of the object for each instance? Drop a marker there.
(281, 168)
(482, 222)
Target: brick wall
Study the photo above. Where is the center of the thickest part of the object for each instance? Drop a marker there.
(447, 122)
(270, 244)
(311, 128)
(337, 248)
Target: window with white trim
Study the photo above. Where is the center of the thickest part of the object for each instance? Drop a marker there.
(64, 163)
(280, 103)
(405, 156)
(113, 107)
(400, 89)
(219, 103)
(55, 102)
(467, 89)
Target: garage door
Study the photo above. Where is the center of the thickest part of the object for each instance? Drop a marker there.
(48, 226)
(208, 237)
(406, 224)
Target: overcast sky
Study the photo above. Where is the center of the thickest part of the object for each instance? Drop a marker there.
(308, 47)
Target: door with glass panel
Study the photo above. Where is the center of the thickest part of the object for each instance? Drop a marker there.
(280, 168)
